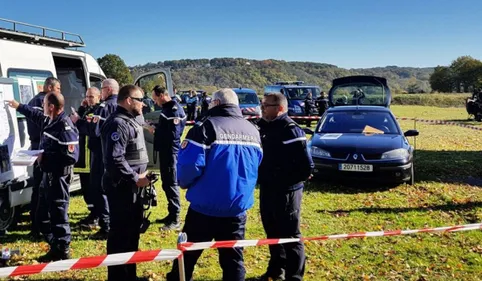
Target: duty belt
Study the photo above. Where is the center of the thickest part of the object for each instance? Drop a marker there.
(63, 171)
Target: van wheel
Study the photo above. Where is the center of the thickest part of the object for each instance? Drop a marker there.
(7, 215)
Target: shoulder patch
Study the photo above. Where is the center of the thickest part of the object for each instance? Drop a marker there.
(184, 144)
(176, 121)
(71, 148)
(115, 136)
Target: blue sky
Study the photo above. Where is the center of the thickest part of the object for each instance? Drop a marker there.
(346, 33)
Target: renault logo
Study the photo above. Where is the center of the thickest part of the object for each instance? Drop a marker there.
(355, 156)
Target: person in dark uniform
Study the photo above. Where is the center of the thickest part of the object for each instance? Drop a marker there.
(322, 104)
(148, 104)
(83, 119)
(167, 140)
(310, 107)
(281, 179)
(191, 104)
(51, 84)
(60, 145)
(358, 96)
(109, 91)
(125, 158)
(218, 164)
(205, 103)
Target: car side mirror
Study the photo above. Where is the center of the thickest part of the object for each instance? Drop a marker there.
(308, 131)
(411, 133)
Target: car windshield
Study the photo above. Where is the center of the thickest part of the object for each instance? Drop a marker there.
(248, 98)
(368, 122)
(300, 93)
(360, 93)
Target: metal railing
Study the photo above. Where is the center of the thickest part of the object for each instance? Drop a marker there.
(10, 29)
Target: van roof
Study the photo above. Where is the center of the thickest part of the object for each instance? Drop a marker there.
(244, 90)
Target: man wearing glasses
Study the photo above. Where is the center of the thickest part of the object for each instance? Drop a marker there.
(281, 178)
(125, 162)
(83, 120)
(109, 91)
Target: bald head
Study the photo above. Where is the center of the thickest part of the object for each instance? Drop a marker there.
(53, 104)
(109, 87)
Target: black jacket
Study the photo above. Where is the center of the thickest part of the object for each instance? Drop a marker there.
(286, 161)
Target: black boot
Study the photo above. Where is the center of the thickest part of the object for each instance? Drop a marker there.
(55, 253)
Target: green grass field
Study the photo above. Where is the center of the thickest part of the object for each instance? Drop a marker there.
(448, 191)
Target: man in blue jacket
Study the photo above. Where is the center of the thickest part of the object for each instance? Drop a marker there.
(286, 165)
(218, 164)
(191, 104)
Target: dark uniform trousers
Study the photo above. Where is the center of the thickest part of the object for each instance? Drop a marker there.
(86, 193)
(34, 200)
(98, 194)
(125, 222)
(168, 168)
(191, 112)
(202, 228)
(280, 214)
(53, 208)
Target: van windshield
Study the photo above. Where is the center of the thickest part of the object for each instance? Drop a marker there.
(248, 98)
(301, 93)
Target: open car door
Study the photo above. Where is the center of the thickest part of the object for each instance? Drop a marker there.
(147, 81)
(360, 90)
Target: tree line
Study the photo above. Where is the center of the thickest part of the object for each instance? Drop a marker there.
(463, 75)
(210, 74)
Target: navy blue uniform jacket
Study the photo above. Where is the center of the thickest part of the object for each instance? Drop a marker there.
(60, 139)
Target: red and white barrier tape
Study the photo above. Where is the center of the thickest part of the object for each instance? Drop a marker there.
(441, 122)
(158, 255)
(91, 262)
(189, 246)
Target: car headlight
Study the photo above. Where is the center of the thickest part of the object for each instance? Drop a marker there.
(400, 153)
(298, 109)
(318, 152)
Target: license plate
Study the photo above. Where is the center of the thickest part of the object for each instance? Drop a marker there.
(356, 168)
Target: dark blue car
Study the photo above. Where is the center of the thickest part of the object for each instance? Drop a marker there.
(359, 137)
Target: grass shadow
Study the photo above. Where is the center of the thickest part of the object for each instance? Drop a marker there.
(454, 167)
(469, 206)
(451, 167)
(346, 186)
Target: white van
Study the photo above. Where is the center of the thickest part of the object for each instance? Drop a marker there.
(26, 60)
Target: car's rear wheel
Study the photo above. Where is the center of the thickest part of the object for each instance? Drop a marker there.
(7, 215)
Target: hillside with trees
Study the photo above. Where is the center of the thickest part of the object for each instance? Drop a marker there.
(209, 74)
